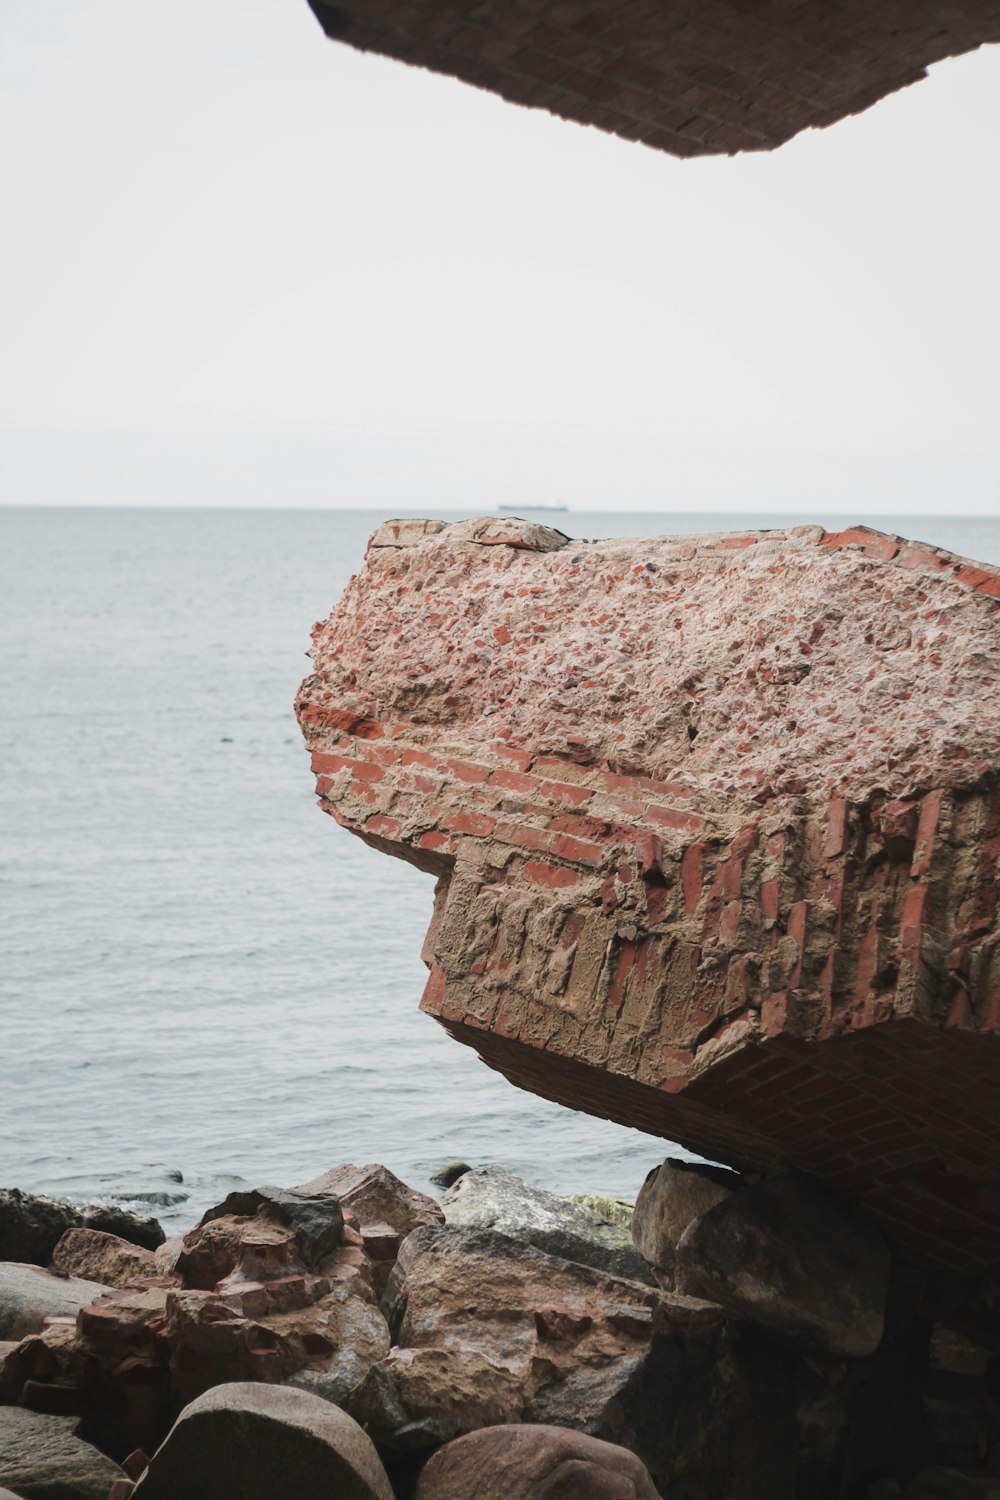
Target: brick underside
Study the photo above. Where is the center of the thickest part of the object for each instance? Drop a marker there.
(691, 80)
(799, 968)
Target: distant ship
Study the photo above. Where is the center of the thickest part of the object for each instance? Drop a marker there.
(533, 507)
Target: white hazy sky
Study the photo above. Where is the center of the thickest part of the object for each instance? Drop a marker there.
(241, 265)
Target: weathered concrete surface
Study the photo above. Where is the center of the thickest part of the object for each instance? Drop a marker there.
(691, 80)
(716, 823)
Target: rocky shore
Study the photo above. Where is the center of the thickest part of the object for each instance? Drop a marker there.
(746, 1337)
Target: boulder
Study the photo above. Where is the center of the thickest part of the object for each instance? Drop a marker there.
(671, 1196)
(42, 1459)
(785, 1254)
(29, 1295)
(493, 1198)
(490, 1331)
(313, 1213)
(137, 1229)
(534, 1463)
(101, 1257)
(259, 1442)
(449, 1172)
(32, 1225)
(386, 1210)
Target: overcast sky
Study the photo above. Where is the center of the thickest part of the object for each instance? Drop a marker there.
(242, 265)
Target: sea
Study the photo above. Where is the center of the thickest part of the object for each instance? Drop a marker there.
(204, 983)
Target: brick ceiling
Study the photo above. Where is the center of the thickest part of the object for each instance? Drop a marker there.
(692, 77)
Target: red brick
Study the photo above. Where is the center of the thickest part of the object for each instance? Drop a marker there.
(835, 828)
(566, 791)
(556, 876)
(467, 770)
(389, 828)
(672, 817)
(923, 851)
(578, 850)
(872, 543)
(523, 836)
(691, 876)
(514, 781)
(477, 824)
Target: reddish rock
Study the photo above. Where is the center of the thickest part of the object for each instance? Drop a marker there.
(534, 1463)
(717, 833)
(385, 1207)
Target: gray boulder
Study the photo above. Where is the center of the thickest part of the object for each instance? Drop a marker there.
(493, 1198)
(31, 1225)
(29, 1295)
(787, 1255)
(670, 1198)
(534, 1463)
(42, 1459)
(261, 1442)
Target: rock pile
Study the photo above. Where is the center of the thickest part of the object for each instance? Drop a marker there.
(767, 1346)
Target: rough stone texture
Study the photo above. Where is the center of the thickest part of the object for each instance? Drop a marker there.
(250, 1309)
(493, 1198)
(670, 1198)
(250, 1442)
(784, 1254)
(700, 80)
(31, 1226)
(101, 1257)
(489, 1331)
(313, 1213)
(385, 1207)
(716, 822)
(29, 1295)
(534, 1463)
(41, 1459)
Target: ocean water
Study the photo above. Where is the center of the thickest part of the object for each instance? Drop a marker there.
(201, 977)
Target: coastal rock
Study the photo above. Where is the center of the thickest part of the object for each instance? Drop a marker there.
(32, 1225)
(448, 1173)
(314, 1214)
(386, 1209)
(534, 1463)
(670, 1198)
(251, 1309)
(100, 1257)
(482, 1324)
(256, 1442)
(786, 1255)
(488, 1331)
(137, 1229)
(42, 1459)
(714, 821)
(493, 1198)
(29, 1295)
